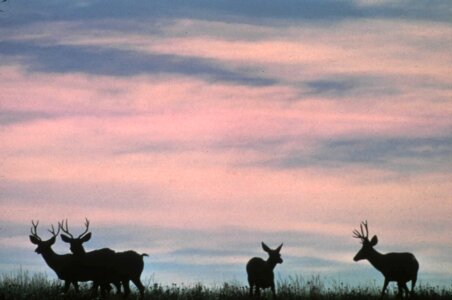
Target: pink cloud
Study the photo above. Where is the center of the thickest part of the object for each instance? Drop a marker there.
(187, 109)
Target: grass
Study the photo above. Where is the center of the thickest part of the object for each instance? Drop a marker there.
(23, 285)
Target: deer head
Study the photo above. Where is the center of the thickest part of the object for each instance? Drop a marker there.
(367, 247)
(43, 246)
(274, 255)
(76, 243)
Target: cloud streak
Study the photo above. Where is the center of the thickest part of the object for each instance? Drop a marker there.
(66, 59)
(251, 12)
(404, 155)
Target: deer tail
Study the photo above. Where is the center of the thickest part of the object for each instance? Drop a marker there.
(144, 254)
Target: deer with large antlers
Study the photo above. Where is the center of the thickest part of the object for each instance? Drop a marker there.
(66, 266)
(128, 265)
(398, 267)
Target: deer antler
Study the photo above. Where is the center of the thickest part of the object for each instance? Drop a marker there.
(367, 229)
(87, 228)
(361, 235)
(34, 229)
(52, 231)
(65, 228)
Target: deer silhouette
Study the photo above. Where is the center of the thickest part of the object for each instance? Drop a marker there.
(127, 265)
(66, 266)
(399, 267)
(260, 272)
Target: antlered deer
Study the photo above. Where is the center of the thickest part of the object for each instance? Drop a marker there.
(399, 267)
(260, 272)
(66, 266)
(90, 260)
(128, 265)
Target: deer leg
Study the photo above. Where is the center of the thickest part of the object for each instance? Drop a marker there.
(125, 284)
(140, 286)
(273, 290)
(94, 289)
(75, 284)
(413, 284)
(258, 291)
(405, 288)
(107, 287)
(251, 287)
(117, 285)
(67, 284)
(385, 285)
(400, 290)
(103, 288)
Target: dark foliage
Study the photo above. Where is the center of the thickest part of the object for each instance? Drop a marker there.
(22, 285)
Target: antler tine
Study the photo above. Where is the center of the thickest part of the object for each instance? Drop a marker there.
(356, 234)
(53, 231)
(65, 228)
(86, 229)
(367, 229)
(363, 234)
(34, 229)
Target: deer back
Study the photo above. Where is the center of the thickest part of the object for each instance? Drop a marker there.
(129, 263)
(399, 266)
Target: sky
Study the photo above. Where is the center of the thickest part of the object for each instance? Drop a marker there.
(195, 130)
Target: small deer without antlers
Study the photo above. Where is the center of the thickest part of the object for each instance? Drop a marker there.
(260, 272)
(127, 265)
(399, 267)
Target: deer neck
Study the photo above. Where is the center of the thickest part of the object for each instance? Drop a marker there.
(52, 260)
(79, 252)
(271, 264)
(376, 259)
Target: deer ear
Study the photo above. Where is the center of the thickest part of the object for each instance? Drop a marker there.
(86, 237)
(279, 248)
(266, 248)
(65, 238)
(374, 241)
(34, 240)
